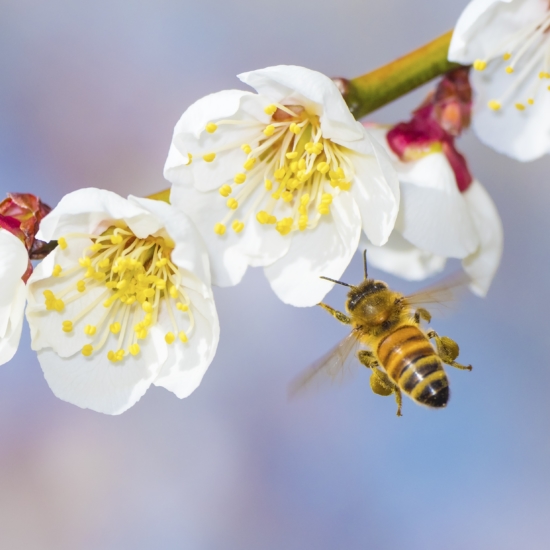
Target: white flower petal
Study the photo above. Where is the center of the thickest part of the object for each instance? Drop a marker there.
(434, 215)
(186, 363)
(229, 254)
(325, 250)
(523, 135)
(290, 84)
(482, 24)
(483, 264)
(191, 137)
(401, 258)
(12, 267)
(95, 383)
(376, 192)
(93, 210)
(9, 342)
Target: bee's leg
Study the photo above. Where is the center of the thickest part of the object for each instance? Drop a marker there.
(448, 350)
(340, 316)
(422, 313)
(380, 382)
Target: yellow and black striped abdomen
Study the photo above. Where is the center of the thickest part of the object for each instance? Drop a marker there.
(412, 363)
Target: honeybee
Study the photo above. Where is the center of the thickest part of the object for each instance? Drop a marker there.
(401, 357)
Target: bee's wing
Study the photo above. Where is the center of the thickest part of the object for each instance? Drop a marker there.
(336, 365)
(444, 292)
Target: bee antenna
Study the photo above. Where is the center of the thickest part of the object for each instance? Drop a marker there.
(337, 282)
(365, 262)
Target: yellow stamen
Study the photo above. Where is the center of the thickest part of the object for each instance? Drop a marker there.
(225, 190)
(237, 226)
(56, 270)
(269, 130)
(509, 70)
(219, 229)
(211, 127)
(62, 243)
(169, 338)
(246, 148)
(232, 203)
(494, 104)
(249, 164)
(270, 109)
(87, 350)
(67, 326)
(182, 336)
(209, 157)
(239, 178)
(480, 65)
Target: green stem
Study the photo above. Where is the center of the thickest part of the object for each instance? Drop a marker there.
(373, 90)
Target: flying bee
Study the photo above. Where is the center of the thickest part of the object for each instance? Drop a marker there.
(400, 356)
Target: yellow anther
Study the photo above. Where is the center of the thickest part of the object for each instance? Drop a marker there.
(87, 350)
(269, 130)
(120, 355)
(169, 338)
(182, 336)
(249, 164)
(116, 239)
(302, 164)
(270, 109)
(48, 294)
(59, 305)
(115, 328)
(246, 148)
(111, 356)
(304, 198)
(160, 284)
(122, 284)
(81, 286)
(147, 320)
(209, 157)
(287, 196)
(237, 226)
(294, 128)
(162, 262)
(67, 326)
(268, 185)
(219, 229)
(279, 174)
(531, 101)
(509, 70)
(142, 334)
(134, 349)
(147, 307)
(211, 127)
(291, 155)
(90, 330)
(480, 65)
(520, 106)
(173, 292)
(239, 178)
(96, 247)
(190, 158)
(182, 307)
(323, 167)
(326, 198)
(56, 270)
(292, 183)
(323, 209)
(104, 263)
(232, 203)
(506, 56)
(225, 190)
(494, 104)
(62, 243)
(284, 226)
(302, 222)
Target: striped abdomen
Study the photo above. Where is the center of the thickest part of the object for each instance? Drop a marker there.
(410, 360)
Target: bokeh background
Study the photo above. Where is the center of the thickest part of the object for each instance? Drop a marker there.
(89, 94)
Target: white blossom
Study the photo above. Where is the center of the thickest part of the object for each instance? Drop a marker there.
(13, 266)
(123, 302)
(436, 222)
(508, 43)
(285, 179)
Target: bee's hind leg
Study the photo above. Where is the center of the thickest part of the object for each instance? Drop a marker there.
(448, 350)
(337, 314)
(380, 382)
(422, 313)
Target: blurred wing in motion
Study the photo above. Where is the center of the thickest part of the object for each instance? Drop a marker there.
(336, 365)
(443, 293)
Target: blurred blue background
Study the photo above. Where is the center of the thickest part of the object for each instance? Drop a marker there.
(89, 95)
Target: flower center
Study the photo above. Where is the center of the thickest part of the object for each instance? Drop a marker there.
(528, 53)
(137, 277)
(290, 166)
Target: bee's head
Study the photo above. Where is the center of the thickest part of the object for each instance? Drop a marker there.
(372, 301)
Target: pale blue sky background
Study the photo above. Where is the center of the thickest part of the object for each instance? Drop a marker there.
(89, 95)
